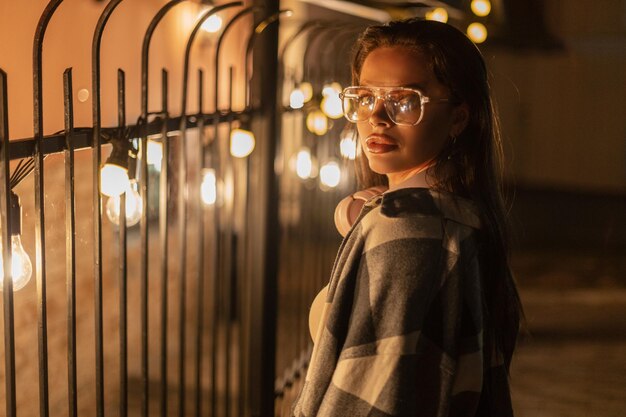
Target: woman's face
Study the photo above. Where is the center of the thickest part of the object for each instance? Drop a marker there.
(399, 151)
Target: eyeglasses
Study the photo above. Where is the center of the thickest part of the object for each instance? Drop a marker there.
(404, 106)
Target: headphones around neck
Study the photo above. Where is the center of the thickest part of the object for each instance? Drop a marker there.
(349, 208)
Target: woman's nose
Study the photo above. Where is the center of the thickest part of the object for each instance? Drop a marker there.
(379, 115)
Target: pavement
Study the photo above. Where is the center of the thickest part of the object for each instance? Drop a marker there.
(572, 361)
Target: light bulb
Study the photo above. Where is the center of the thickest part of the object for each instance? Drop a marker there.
(331, 106)
(304, 164)
(114, 180)
(330, 174)
(481, 7)
(307, 90)
(477, 32)
(134, 207)
(241, 143)
(155, 153)
(296, 99)
(438, 14)
(347, 148)
(208, 188)
(317, 122)
(332, 88)
(212, 24)
(21, 267)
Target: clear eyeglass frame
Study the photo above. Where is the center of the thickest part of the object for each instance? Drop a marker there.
(384, 93)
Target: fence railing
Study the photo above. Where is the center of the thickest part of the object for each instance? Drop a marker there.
(203, 277)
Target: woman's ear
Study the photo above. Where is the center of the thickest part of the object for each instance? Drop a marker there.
(460, 119)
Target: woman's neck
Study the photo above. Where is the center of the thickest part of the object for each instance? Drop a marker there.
(396, 179)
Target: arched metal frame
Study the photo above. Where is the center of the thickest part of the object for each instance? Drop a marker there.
(68, 141)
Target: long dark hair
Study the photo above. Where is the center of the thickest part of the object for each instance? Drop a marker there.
(473, 161)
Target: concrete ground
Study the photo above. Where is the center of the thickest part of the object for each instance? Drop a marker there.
(573, 362)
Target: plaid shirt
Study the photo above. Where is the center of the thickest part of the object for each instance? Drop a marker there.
(401, 333)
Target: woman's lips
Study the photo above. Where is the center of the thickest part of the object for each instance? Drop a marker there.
(379, 144)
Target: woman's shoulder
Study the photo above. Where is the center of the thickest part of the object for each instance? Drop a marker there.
(425, 203)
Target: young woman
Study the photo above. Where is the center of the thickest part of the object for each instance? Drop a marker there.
(421, 314)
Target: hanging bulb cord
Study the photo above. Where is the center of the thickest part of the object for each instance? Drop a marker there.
(27, 165)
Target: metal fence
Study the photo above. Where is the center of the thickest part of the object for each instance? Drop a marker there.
(223, 276)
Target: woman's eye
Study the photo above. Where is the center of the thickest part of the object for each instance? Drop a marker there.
(366, 100)
(407, 101)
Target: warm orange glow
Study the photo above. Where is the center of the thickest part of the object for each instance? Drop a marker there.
(481, 7)
(477, 32)
(439, 14)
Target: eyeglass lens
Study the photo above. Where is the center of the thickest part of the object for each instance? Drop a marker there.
(402, 106)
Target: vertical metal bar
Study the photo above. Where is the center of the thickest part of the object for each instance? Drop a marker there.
(229, 256)
(182, 255)
(97, 201)
(145, 57)
(264, 312)
(200, 254)
(7, 282)
(70, 243)
(121, 124)
(258, 29)
(244, 284)
(182, 244)
(163, 220)
(40, 240)
(215, 319)
(223, 241)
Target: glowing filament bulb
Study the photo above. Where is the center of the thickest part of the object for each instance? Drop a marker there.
(317, 122)
(304, 164)
(332, 88)
(114, 180)
(477, 32)
(307, 90)
(155, 153)
(296, 99)
(330, 174)
(331, 106)
(438, 14)
(241, 143)
(134, 207)
(208, 188)
(212, 24)
(21, 267)
(347, 148)
(481, 7)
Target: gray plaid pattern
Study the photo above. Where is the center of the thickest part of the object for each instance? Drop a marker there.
(401, 332)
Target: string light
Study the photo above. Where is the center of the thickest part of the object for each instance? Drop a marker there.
(114, 174)
(155, 153)
(307, 90)
(477, 32)
(304, 164)
(317, 122)
(21, 267)
(481, 7)
(438, 14)
(242, 143)
(330, 174)
(212, 24)
(331, 104)
(330, 89)
(134, 206)
(208, 188)
(296, 99)
(347, 147)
